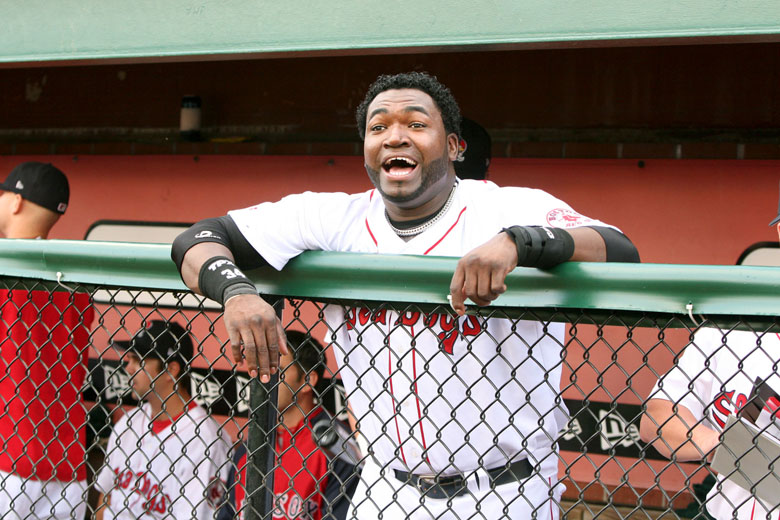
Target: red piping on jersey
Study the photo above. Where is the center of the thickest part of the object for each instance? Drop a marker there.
(419, 413)
(370, 197)
(370, 233)
(448, 231)
(753, 512)
(549, 483)
(392, 394)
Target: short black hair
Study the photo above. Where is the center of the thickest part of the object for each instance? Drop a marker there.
(441, 95)
(307, 352)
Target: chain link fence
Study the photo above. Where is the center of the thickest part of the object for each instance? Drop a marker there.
(384, 409)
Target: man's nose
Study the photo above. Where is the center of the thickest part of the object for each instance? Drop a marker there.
(397, 136)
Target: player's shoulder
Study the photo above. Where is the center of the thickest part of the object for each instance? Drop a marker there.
(307, 201)
(486, 189)
(197, 418)
(714, 337)
(133, 419)
(721, 347)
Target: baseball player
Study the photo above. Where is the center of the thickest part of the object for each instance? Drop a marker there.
(309, 484)
(474, 151)
(459, 412)
(43, 362)
(167, 458)
(688, 407)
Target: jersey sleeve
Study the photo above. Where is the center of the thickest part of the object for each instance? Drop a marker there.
(308, 221)
(691, 381)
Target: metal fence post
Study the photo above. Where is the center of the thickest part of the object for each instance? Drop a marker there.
(261, 455)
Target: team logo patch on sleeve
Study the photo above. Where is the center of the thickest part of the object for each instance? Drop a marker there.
(566, 218)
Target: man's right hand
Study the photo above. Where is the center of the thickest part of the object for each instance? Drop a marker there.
(256, 334)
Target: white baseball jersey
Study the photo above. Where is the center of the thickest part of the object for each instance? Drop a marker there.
(709, 381)
(169, 470)
(433, 392)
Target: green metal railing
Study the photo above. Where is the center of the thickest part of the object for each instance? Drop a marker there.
(650, 288)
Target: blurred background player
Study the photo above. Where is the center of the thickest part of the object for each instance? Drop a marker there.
(474, 151)
(308, 483)
(688, 407)
(43, 337)
(166, 458)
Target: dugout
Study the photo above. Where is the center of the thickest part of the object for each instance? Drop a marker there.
(660, 117)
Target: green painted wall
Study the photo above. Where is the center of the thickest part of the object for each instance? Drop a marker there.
(42, 31)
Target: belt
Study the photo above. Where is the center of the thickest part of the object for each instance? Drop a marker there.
(433, 486)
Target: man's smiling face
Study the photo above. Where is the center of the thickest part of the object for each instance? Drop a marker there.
(408, 153)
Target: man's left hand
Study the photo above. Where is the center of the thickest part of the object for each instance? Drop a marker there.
(481, 273)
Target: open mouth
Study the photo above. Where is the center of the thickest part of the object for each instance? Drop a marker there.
(399, 166)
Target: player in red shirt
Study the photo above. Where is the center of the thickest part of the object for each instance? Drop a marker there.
(43, 362)
(309, 484)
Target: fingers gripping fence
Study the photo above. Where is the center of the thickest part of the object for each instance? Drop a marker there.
(590, 391)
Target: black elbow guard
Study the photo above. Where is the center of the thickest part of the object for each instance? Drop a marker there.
(209, 230)
(222, 230)
(619, 247)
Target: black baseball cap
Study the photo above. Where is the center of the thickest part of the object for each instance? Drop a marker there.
(777, 218)
(474, 151)
(41, 183)
(163, 340)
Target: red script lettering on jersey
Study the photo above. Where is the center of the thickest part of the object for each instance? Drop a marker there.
(447, 328)
(156, 500)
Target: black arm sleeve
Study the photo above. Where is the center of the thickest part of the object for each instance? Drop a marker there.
(619, 247)
(222, 230)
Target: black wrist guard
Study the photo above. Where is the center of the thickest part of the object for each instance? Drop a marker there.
(541, 247)
(219, 279)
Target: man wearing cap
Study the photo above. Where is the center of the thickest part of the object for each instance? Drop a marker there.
(474, 151)
(167, 458)
(311, 481)
(33, 198)
(43, 362)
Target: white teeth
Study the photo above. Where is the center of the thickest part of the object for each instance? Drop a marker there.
(408, 161)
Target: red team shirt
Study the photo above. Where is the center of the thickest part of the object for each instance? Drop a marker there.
(43, 339)
(304, 487)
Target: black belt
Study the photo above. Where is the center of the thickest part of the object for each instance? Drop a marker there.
(433, 486)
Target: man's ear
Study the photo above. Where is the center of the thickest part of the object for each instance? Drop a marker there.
(313, 378)
(17, 204)
(452, 146)
(174, 369)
